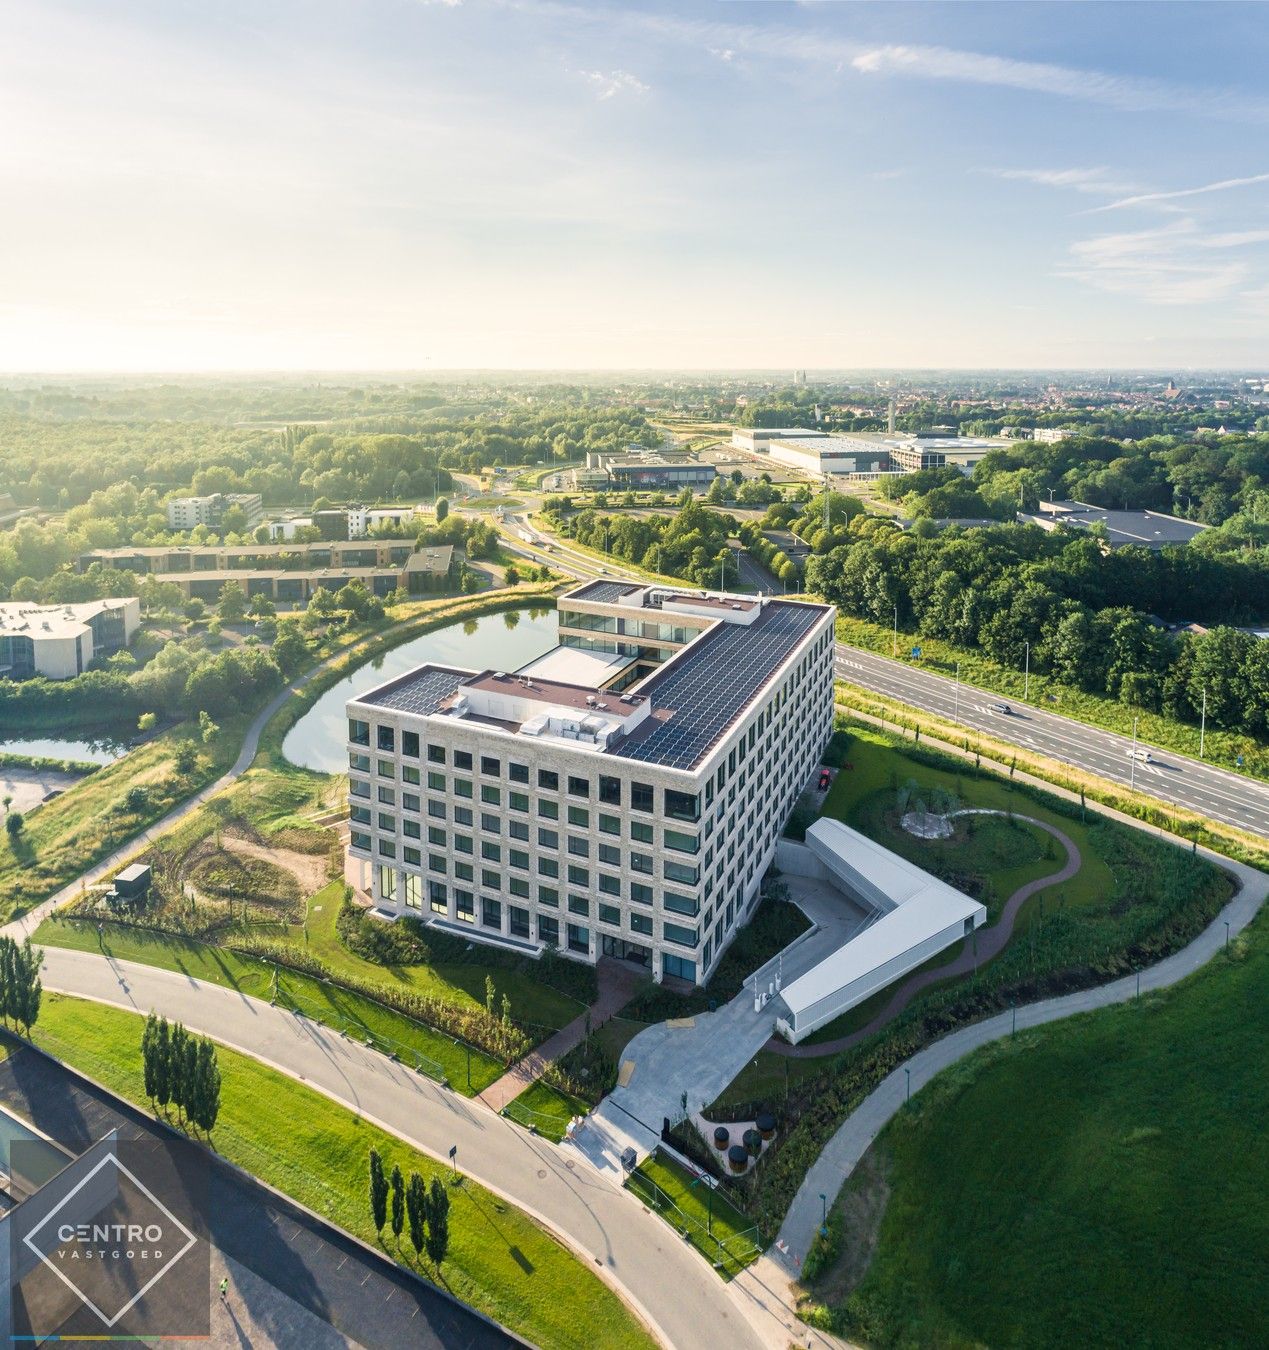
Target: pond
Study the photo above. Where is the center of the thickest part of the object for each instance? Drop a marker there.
(319, 740)
(56, 747)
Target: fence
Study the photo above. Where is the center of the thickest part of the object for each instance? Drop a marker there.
(728, 1255)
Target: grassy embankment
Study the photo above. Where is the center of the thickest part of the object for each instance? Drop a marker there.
(1159, 897)
(1096, 1182)
(299, 1141)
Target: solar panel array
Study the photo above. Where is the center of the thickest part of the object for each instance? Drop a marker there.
(421, 691)
(711, 688)
(605, 592)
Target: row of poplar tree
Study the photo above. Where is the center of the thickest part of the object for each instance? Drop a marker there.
(424, 1208)
(181, 1071)
(20, 987)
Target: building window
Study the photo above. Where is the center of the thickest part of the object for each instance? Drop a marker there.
(387, 883)
(578, 815)
(518, 801)
(640, 894)
(410, 745)
(549, 896)
(548, 810)
(490, 913)
(462, 787)
(518, 921)
(609, 824)
(465, 906)
(579, 848)
(436, 755)
(610, 855)
(518, 773)
(609, 885)
(684, 937)
(678, 966)
(361, 763)
(578, 904)
(578, 876)
(359, 732)
(409, 774)
(641, 832)
(360, 840)
(682, 805)
(578, 787)
(549, 779)
(548, 867)
(610, 914)
(682, 843)
(642, 797)
(681, 904)
(547, 838)
(641, 923)
(412, 857)
(387, 738)
(518, 886)
(490, 795)
(517, 829)
(462, 759)
(436, 782)
(490, 767)
(464, 871)
(578, 939)
(490, 823)
(642, 863)
(548, 930)
(463, 816)
(687, 876)
(609, 790)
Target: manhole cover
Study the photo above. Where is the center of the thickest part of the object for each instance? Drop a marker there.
(541, 1173)
(569, 1164)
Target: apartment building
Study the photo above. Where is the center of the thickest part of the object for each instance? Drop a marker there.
(186, 513)
(620, 796)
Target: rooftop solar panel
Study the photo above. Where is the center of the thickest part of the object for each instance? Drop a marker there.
(419, 691)
(718, 677)
(605, 592)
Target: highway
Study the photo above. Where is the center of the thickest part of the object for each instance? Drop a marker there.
(1170, 777)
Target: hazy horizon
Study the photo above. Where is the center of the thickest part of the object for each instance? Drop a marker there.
(537, 185)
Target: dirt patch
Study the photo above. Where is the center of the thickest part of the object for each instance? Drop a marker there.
(863, 1205)
(309, 869)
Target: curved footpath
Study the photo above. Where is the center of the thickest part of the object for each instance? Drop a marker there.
(843, 1152)
(976, 951)
(663, 1278)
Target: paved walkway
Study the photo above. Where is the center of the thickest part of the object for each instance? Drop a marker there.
(975, 951)
(700, 1056)
(663, 1278)
(618, 983)
(843, 1152)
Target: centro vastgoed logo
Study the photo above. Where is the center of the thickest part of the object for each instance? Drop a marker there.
(142, 1250)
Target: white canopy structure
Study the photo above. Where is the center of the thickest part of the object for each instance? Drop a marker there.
(915, 916)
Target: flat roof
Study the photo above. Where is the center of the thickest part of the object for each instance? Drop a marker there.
(765, 433)
(577, 665)
(605, 592)
(1152, 528)
(695, 696)
(923, 906)
(54, 621)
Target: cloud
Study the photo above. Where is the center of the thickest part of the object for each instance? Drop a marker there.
(1091, 180)
(1169, 265)
(1149, 198)
(1130, 93)
(608, 84)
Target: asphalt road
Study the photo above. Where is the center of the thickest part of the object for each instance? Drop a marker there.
(1171, 777)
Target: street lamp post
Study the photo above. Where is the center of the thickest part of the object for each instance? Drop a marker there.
(1203, 724)
(894, 650)
(956, 705)
(1132, 767)
(908, 1076)
(1026, 675)
(823, 1215)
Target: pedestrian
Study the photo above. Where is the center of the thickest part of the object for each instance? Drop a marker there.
(224, 1291)
(101, 934)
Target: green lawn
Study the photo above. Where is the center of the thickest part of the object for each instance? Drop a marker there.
(546, 1109)
(1098, 1182)
(862, 795)
(342, 1009)
(717, 1229)
(307, 1146)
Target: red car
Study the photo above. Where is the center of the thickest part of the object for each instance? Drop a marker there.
(825, 780)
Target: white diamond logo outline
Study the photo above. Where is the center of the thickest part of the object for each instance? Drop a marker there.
(191, 1240)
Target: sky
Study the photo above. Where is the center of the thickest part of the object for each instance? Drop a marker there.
(427, 185)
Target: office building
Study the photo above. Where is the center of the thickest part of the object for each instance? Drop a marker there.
(1149, 529)
(287, 574)
(621, 796)
(61, 641)
(186, 513)
(830, 454)
(647, 469)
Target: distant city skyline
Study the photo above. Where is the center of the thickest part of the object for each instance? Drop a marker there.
(440, 186)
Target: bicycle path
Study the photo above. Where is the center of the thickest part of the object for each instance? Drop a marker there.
(976, 951)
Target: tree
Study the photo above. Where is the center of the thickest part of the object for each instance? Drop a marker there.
(512, 577)
(378, 1191)
(186, 758)
(437, 1222)
(442, 509)
(178, 1080)
(207, 1079)
(149, 1054)
(20, 986)
(194, 609)
(398, 1202)
(206, 727)
(147, 721)
(14, 824)
(416, 1211)
(290, 650)
(163, 1064)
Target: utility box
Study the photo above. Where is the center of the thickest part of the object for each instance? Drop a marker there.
(133, 883)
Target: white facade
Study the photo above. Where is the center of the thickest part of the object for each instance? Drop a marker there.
(186, 513)
(633, 819)
(61, 641)
(757, 440)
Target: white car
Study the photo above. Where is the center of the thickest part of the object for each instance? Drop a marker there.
(1144, 755)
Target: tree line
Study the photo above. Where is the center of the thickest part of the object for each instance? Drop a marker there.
(181, 1070)
(410, 1204)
